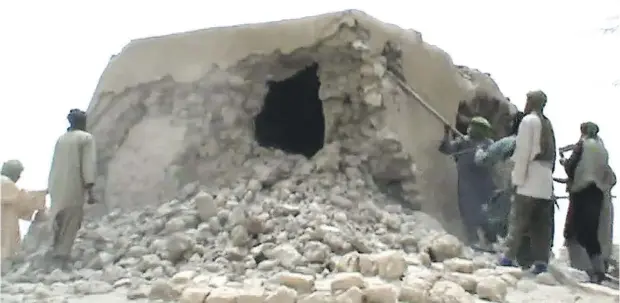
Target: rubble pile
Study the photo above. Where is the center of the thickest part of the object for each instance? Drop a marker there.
(198, 210)
(322, 240)
(255, 228)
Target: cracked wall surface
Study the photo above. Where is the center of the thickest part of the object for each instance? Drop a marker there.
(172, 110)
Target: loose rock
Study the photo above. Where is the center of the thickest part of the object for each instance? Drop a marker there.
(492, 288)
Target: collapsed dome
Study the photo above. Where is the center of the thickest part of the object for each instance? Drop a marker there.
(292, 115)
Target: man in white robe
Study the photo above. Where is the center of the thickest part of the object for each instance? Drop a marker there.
(532, 208)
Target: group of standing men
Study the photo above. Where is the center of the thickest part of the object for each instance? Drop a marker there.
(72, 176)
(529, 223)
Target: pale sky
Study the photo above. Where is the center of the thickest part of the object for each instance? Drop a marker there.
(53, 53)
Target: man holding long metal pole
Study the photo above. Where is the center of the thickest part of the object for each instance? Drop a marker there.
(475, 183)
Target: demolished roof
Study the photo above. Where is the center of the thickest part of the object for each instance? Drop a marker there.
(189, 55)
(138, 144)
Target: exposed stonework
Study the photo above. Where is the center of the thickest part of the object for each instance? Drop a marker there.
(256, 225)
(176, 109)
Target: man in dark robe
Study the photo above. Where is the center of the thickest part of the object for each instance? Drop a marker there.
(475, 183)
(590, 178)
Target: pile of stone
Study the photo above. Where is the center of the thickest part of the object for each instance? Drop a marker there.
(267, 224)
(270, 238)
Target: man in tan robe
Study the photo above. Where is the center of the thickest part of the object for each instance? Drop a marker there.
(16, 204)
(71, 178)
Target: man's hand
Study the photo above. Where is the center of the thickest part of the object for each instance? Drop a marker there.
(41, 215)
(91, 198)
(563, 161)
(42, 191)
(479, 148)
(568, 235)
(463, 119)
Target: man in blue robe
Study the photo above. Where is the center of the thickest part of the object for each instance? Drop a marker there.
(475, 182)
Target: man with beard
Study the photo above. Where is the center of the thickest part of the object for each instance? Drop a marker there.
(532, 178)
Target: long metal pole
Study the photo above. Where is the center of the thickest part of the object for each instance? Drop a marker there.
(418, 98)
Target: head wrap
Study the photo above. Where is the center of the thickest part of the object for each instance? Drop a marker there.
(12, 169)
(479, 126)
(76, 118)
(537, 99)
(589, 129)
(481, 121)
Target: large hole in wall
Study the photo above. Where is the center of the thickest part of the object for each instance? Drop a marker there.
(292, 115)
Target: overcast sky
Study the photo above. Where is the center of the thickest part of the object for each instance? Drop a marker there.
(53, 53)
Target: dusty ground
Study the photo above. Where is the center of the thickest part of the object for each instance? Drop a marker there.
(542, 293)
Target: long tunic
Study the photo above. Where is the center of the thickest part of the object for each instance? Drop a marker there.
(73, 167)
(497, 158)
(475, 183)
(577, 254)
(16, 204)
(532, 178)
(606, 226)
(582, 169)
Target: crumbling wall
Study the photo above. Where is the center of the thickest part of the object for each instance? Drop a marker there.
(172, 110)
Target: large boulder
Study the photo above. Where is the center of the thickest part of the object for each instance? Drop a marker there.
(191, 107)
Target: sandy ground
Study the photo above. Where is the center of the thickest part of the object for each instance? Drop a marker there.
(543, 293)
(117, 296)
(534, 293)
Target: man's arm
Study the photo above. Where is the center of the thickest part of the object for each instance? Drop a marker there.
(571, 163)
(566, 148)
(496, 152)
(89, 163)
(35, 201)
(24, 202)
(523, 150)
(11, 194)
(447, 146)
(555, 156)
(450, 147)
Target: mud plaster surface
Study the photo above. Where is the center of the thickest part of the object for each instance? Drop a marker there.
(158, 135)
